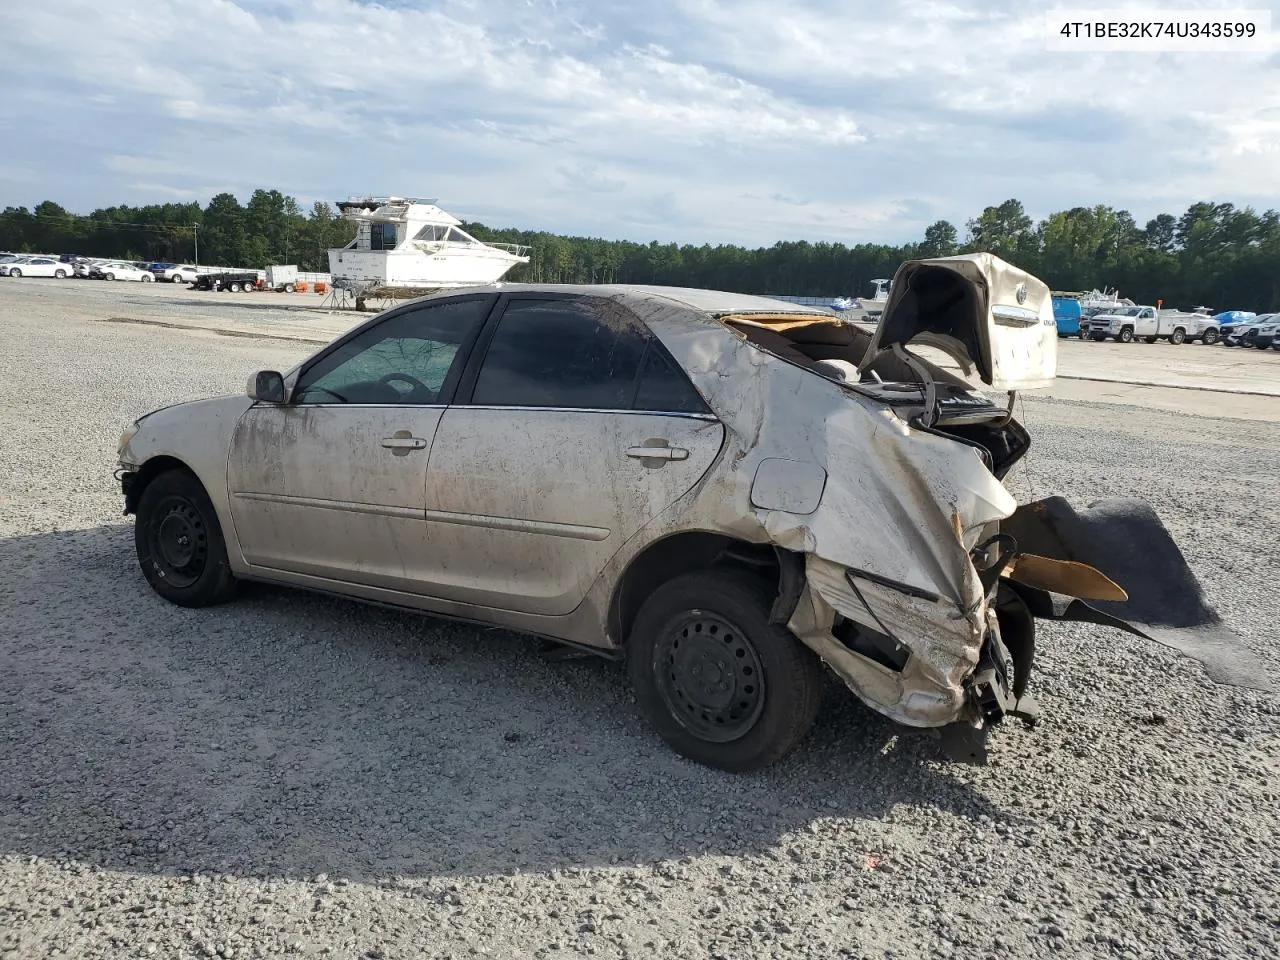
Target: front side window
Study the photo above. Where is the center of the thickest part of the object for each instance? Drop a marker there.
(405, 360)
(561, 353)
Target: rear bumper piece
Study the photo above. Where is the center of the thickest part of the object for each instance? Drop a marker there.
(1125, 540)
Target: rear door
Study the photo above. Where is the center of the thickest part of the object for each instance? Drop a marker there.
(572, 429)
(332, 483)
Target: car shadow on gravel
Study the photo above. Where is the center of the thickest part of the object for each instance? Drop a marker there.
(287, 734)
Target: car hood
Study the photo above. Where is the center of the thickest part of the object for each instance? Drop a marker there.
(983, 312)
(232, 405)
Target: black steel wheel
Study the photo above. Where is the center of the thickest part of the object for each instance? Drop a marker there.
(709, 675)
(179, 542)
(719, 682)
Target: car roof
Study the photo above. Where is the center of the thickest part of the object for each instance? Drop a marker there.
(714, 302)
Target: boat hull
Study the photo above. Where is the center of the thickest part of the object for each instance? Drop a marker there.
(448, 268)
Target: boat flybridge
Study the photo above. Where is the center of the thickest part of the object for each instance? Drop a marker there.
(406, 242)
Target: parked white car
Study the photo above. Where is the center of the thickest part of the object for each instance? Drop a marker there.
(119, 270)
(180, 274)
(36, 267)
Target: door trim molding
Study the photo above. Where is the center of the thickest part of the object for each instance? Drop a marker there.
(346, 506)
(571, 531)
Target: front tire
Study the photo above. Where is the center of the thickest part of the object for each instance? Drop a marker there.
(179, 542)
(1126, 336)
(721, 684)
(1210, 338)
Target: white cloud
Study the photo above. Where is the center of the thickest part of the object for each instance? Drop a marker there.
(665, 119)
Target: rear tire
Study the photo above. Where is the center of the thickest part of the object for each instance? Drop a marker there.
(148, 278)
(1178, 336)
(15, 273)
(60, 274)
(1149, 339)
(289, 288)
(108, 276)
(179, 542)
(233, 287)
(741, 692)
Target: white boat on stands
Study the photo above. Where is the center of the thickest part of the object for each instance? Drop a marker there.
(409, 243)
(868, 309)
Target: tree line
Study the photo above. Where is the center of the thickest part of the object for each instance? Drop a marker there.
(1214, 254)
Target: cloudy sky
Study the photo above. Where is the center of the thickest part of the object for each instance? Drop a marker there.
(692, 120)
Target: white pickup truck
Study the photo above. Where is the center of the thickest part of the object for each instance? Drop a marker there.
(1151, 324)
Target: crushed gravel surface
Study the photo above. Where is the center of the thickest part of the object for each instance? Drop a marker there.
(293, 775)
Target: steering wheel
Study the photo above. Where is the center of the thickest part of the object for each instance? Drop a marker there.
(413, 382)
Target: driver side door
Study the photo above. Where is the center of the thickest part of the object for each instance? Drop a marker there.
(331, 484)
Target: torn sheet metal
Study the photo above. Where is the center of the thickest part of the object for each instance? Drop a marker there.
(1125, 540)
(887, 550)
(902, 505)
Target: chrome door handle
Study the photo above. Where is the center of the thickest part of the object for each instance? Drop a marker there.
(658, 453)
(401, 445)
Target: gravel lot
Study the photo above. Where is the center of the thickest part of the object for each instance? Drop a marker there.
(306, 776)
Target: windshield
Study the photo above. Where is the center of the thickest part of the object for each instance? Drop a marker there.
(1127, 312)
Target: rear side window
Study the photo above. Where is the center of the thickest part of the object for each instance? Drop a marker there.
(562, 353)
(664, 388)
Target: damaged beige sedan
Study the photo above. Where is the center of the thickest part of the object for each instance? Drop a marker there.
(728, 491)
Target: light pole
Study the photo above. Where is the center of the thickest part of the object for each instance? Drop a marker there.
(196, 228)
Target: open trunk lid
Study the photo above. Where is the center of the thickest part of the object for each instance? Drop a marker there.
(983, 312)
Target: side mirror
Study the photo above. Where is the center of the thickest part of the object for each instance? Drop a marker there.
(267, 386)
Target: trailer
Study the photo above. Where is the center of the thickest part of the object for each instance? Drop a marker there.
(232, 281)
(286, 278)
